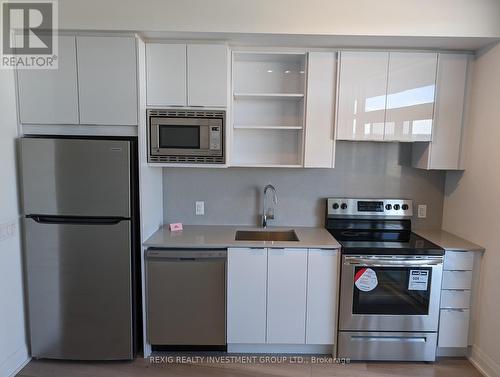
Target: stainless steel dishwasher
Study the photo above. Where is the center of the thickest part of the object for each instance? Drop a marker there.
(186, 297)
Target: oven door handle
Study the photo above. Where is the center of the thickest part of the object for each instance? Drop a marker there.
(393, 262)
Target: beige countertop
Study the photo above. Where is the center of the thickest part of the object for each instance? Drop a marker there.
(447, 240)
(222, 236)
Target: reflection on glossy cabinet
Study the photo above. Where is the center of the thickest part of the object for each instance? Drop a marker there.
(286, 296)
(410, 96)
(246, 295)
(107, 80)
(50, 96)
(166, 74)
(362, 95)
(445, 150)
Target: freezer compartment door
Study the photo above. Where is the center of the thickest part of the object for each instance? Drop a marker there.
(76, 177)
(79, 289)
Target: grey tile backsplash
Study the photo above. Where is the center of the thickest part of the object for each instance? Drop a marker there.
(233, 196)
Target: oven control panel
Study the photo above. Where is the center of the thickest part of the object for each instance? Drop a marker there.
(369, 207)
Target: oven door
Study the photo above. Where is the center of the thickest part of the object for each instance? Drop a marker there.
(390, 293)
(184, 136)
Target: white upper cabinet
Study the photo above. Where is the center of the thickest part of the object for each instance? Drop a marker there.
(246, 295)
(444, 152)
(320, 104)
(107, 80)
(186, 75)
(411, 88)
(50, 96)
(362, 95)
(207, 75)
(166, 74)
(286, 296)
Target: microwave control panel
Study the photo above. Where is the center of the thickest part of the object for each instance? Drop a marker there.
(215, 137)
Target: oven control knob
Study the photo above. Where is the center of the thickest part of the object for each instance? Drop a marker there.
(388, 207)
(404, 207)
(343, 206)
(396, 207)
(335, 206)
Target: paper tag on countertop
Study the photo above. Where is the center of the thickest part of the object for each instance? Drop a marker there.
(175, 227)
(366, 279)
(419, 279)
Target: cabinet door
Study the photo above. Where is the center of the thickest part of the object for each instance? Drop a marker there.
(50, 96)
(246, 295)
(322, 296)
(362, 95)
(321, 78)
(166, 74)
(286, 296)
(410, 96)
(454, 328)
(207, 75)
(107, 82)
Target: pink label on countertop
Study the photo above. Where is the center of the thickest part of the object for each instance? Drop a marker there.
(175, 227)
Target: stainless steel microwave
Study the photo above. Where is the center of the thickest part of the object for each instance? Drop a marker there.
(186, 136)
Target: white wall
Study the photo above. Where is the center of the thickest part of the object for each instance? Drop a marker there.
(451, 18)
(13, 349)
(472, 201)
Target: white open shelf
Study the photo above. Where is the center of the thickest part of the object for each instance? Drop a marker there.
(268, 109)
(255, 147)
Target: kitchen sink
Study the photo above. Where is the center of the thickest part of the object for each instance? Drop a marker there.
(266, 235)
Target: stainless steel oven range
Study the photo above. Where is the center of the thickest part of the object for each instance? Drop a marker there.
(390, 281)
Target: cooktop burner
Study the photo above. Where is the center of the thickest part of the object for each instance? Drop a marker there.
(376, 226)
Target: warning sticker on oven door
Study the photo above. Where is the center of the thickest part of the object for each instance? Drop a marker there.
(365, 279)
(419, 280)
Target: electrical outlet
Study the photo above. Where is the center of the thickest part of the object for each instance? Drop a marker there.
(200, 208)
(422, 211)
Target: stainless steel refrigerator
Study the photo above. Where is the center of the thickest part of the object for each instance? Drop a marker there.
(79, 198)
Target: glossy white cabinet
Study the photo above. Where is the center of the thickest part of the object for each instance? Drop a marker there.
(362, 95)
(166, 74)
(445, 150)
(411, 88)
(207, 67)
(320, 104)
(322, 292)
(454, 328)
(107, 80)
(186, 75)
(246, 295)
(50, 96)
(282, 296)
(286, 296)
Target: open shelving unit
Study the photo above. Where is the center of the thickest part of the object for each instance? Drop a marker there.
(268, 108)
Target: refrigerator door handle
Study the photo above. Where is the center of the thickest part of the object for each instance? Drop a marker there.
(76, 220)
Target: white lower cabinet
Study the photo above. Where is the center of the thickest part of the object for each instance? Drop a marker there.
(455, 300)
(454, 328)
(282, 296)
(322, 291)
(246, 295)
(286, 296)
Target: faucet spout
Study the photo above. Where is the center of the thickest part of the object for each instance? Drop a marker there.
(268, 211)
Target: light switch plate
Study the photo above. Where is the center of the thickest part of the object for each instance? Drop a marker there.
(200, 208)
(422, 211)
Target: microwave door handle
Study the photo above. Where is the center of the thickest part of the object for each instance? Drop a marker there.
(396, 263)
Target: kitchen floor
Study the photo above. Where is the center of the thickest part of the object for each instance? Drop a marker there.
(143, 368)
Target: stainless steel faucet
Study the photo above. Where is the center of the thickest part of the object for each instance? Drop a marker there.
(268, 211)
